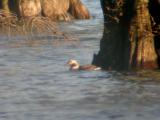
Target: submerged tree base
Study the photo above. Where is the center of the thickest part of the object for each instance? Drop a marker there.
(128, 42)
(56, 10)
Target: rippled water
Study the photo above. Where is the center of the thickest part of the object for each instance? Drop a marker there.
(35, 83)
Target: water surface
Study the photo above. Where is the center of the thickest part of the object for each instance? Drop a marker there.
(35, 83)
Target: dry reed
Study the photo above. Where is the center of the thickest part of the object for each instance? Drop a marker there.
(32, 28)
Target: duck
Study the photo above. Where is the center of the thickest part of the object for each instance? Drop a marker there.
(74, 65)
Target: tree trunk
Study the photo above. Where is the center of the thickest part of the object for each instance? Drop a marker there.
(154, 6)
(5, 5)
(127, 39)
(143, 53)
(13, 6)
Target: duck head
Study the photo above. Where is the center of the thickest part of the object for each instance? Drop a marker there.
(74, 65)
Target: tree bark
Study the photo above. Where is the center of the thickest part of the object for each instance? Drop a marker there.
(143, 53)
(5, 5)
(13, 6)
(127, 39)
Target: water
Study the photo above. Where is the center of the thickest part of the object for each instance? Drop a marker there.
(35, 83)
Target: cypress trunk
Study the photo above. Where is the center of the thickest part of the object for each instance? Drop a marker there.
(5, 5)
(143, 53)
(127, 39)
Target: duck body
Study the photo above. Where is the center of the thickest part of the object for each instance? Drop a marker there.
(74, 65)
(89, 67)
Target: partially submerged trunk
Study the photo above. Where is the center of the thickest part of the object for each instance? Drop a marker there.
(127, 39)
(64, 10)
(29, 8)
(56, 10)
(4, 5)
(9, 6)
(154, 7)
(143, 53)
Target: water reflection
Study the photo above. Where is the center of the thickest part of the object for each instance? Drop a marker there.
(35, 83)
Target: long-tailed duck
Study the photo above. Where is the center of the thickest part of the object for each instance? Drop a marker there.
(74, 65)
